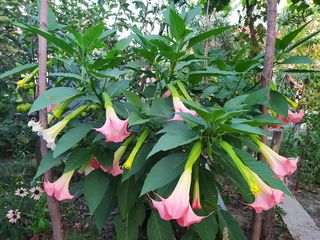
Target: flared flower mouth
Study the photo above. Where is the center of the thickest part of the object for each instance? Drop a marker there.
(50, 134)
(280, 165)
(36, 127)
(60, 188)
(267, 197)
(179, 107)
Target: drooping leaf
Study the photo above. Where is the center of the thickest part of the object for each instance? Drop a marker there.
(49, 36)
(126, 194)
(229, 226)
(202, 36)
(128, 228)
(20, 69)
(164, 171)
(298, 60)
(207, 229)
(159, 229)
(279, 103)
(71, 138)
(78, 158)
(133, 98)
(95, 186)
(47, 162)
(106, 205)
(176, 134)
(53, 95)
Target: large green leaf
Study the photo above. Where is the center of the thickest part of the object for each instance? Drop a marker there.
(71, 138)
(128, 228)
(92, 34)
(95, 187)
(49, 36)
(202, 36)
(298, 60)
(303, 40)
(164, 171)
(78, 158)
(53, 95)
(229, 226)
(19, 69)
(286, 40)
(47, 162)
(243, 128)
(176, 24)
(207, 229)
(126, 194)
(210, 71)
(263, 171)
(176, 134)
(159, 229)
(133, 98)
(106, 205)
(279, 103)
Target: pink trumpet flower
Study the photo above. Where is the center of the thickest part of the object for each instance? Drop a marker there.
(177, 205)
(280, 165)
(267, 197)
(60, 188)
(196, 204)
(179, 107)
(114, 129)
(295, 117)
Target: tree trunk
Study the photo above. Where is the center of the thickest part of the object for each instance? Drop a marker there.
(266, 79)
(53, 204)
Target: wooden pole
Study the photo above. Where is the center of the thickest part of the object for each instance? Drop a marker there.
(53, 204)
(266, 79)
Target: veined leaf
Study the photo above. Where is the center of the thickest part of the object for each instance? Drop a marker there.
(71, 138)
(19, 69)
(176, 24)
(53, 95)
(159, 229)
(164, 171)
(176, 134)
(202, 36)
(298, 60)
(95, 186)
(49, 36)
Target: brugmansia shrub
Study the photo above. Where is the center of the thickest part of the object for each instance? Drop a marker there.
(151, 138)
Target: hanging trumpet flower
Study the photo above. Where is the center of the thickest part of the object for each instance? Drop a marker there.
(265, 196)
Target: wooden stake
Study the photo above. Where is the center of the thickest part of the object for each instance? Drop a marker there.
(53, 204)
(266, 79)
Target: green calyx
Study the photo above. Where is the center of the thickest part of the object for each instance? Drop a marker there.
(194, 155)
(107, 100)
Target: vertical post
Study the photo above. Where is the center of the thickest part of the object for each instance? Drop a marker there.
(53, 204)
(266, 79)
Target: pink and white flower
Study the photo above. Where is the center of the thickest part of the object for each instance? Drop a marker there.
(21, 192)
(114, 129)
(179, 107)
(36, 127)
(60, 188)
(177, 205)
(267, 197)
(36, 193)
(295, 117)
(280, 165)
(196, 204)
(13, 216)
